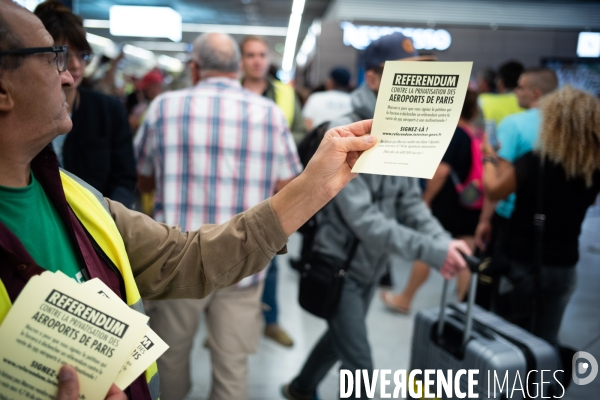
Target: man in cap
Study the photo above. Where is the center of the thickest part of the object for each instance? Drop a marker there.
(370, 209)
(333, 103)
(151, 85)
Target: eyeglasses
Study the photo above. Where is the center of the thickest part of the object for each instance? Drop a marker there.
(60, 53)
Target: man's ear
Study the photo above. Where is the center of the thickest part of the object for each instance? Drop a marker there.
(7, 102)
(195, 72)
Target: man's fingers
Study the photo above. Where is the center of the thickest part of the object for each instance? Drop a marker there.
(68, 384)
(464, 248)
(459, 261)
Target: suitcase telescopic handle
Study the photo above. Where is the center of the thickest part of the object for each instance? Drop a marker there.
(473, 265)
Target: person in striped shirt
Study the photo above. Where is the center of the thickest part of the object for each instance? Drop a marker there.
(212, 151)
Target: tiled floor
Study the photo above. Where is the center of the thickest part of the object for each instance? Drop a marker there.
(390, 334)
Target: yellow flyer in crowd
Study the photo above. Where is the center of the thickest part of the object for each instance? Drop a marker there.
(56, 321)
(149, 348)
(417, 111)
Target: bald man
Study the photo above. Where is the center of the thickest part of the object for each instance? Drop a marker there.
(215, 150)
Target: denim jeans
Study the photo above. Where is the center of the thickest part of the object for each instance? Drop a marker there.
(269, 296)
(345, 340)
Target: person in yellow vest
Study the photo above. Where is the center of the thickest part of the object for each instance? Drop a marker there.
(255, 65)
(496, 106)
(52, 220)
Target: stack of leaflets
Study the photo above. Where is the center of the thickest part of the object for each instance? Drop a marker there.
(57, 321)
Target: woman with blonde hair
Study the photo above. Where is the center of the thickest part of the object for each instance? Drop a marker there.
(567, 161)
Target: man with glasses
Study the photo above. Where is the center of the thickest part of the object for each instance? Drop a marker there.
(52, 220)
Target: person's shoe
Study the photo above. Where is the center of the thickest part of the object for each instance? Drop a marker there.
(289, 393)
(389, 299)
(274, 331)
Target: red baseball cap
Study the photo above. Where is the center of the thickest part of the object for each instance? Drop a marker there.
(153, 76)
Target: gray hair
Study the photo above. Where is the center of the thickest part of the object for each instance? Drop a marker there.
(216, 52)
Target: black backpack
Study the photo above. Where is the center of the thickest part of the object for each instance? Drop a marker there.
(306, 149)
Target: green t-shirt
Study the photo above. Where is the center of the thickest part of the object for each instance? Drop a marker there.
(28, 213)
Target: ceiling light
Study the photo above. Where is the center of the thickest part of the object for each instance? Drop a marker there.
(145, 22)
(163, 46)
(103, 45)
(170, 63)
(230, 29)
(138, 52)
(96, 23)
(292, 35)
(99, 40)
(588, 44)
(237, 29)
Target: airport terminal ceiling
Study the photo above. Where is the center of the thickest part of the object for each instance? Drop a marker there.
(260, 13)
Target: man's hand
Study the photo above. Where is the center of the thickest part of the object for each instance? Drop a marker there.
(68, 386)
(325, 175)
(454, 261)
(483, 234)
(329, 169)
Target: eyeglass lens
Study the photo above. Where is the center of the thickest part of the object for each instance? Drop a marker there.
(61, 61)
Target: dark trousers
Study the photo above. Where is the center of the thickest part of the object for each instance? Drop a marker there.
(489, 279)
(557, 284)
(345, 340)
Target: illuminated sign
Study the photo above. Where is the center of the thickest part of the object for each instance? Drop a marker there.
(361, 36)
(588, 44)
(143, 21)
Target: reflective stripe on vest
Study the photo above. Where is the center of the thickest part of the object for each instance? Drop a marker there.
(285, 97)
(5, 303)
(92, 212)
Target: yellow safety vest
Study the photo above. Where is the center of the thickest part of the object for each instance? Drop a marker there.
(92, 212)
(285, 99)
(496, 107)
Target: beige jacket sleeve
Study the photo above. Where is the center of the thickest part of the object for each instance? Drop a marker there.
(168, 263)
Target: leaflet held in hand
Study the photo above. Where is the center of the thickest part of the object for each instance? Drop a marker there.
(149, 348)
(56, 321)
(417, 111)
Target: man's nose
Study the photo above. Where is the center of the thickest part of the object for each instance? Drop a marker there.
(66, 79)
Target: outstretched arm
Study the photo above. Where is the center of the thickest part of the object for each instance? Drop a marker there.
(168, 263)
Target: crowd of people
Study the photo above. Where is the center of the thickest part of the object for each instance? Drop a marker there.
(216, 171)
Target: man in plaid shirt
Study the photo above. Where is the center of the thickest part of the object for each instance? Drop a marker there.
(212, 151)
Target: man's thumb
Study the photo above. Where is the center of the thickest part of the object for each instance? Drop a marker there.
(68, 384)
